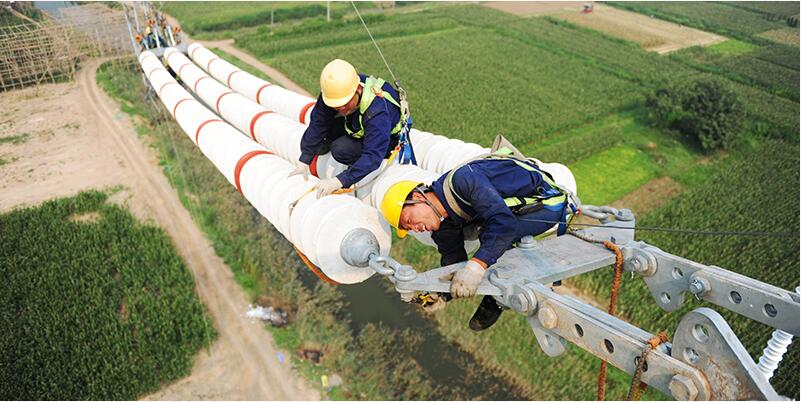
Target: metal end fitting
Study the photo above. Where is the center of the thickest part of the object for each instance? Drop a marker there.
(357, 246)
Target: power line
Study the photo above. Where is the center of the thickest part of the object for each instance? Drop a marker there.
(697, 232)
(374, 42)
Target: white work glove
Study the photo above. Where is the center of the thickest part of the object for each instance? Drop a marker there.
(466, 280)
(327, 186)
(302, 169)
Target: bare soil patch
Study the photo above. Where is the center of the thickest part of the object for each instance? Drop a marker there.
(788, 36)
(651, 33)
(79, 139)
(89, 217)
(650, 196)
(530, 8)
(62, 153)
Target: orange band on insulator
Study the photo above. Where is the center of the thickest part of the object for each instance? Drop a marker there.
(149, 55)
(228, 81)
(197, 133)
(217, 106)
(165, 84)
(253, 122)
(175, 108)
(314, 268)
(191, 54)
(168, 57)
(241, 164)
(154, 70)
(198, 81)
(258, 93)
(303, 112)
(182, 67)
(208, 66)
(313, 166)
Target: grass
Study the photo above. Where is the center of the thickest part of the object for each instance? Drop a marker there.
(93, 304)
(732, 47)
(15, 139)
(612, 173)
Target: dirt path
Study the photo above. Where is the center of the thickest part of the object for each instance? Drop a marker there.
(59, 159)
(280, 78)
(651, 33)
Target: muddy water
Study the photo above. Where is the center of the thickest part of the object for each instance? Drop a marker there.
(372, 302)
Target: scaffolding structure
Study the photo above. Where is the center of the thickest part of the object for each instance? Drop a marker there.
(49, 50)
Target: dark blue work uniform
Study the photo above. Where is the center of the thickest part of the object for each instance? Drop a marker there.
(485, 184)
(362, 155)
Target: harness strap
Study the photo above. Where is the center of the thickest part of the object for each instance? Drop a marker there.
(554, 200)
(451, 199)
(372, 89)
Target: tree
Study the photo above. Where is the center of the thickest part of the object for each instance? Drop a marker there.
(706, 109)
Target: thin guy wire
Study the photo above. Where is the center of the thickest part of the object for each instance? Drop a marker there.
(374, 42)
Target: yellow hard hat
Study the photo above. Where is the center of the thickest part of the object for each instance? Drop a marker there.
(392, 204)
(338, 82)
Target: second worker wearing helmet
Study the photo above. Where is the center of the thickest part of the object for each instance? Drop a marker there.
(506, 198)
(358, 118)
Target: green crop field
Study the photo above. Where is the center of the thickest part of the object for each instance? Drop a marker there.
(763, 68)
(770, 8)
(570, 94)
(718, 17)
(732, 47)
(93, 304)
(596, 75)
(211, 16)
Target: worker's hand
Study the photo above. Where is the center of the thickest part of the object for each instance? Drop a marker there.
(302, 169)
(466, 280)
(327, 186)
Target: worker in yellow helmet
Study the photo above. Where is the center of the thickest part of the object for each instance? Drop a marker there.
(358, 118)
(505, 197)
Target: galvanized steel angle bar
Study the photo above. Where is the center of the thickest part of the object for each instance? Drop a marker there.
(611, 339)
(672, 276)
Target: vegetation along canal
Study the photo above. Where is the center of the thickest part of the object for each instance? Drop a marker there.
(373, 302)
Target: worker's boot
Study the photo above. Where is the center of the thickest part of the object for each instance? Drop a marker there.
(486, 314)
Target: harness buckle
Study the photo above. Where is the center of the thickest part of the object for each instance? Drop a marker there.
(423, 299)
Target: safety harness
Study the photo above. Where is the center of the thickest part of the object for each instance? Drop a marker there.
(556, 198)
(371, 88)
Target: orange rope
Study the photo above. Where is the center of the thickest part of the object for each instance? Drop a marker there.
(601, 394)
(314, 269)
(637, 386)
